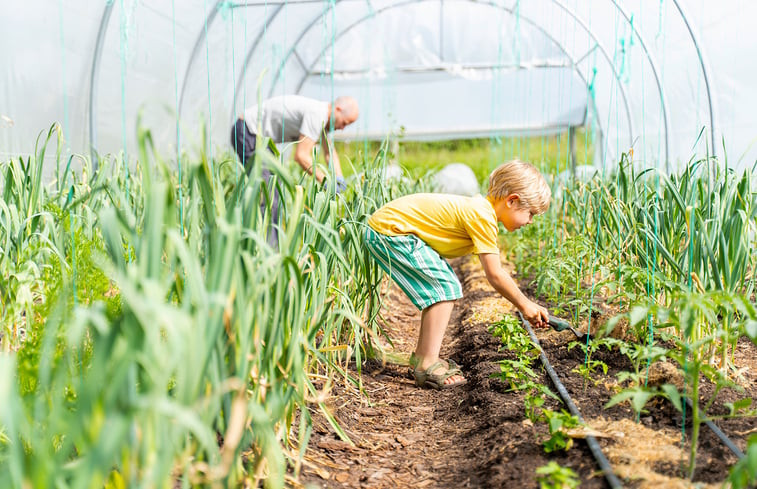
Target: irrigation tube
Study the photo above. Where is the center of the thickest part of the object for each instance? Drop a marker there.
(596, 450)
(593, 445)
(719, 433)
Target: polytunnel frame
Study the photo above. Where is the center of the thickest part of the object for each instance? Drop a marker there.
(97, 54)
(373, 13)
(573, 63)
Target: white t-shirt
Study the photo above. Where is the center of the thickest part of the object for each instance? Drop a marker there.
(284, 118)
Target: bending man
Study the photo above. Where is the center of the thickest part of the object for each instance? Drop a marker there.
(293, 118)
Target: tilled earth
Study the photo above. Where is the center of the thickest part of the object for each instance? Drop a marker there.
(478, 435)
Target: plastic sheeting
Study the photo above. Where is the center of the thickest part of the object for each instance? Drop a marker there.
(433, 69)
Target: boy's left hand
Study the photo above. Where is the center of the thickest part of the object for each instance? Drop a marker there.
(535, 314)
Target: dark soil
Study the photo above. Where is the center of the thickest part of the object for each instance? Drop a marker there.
(478, 435)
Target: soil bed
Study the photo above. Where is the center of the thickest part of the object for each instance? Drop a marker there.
(478, 435)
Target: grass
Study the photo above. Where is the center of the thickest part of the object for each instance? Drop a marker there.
(549, 153)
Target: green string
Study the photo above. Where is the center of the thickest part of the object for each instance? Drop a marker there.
(698, 120)
(567, 171)
(686, 340)
(660, 21)
(282, 72)
(368, 98)
(613, 90)
(226, 7)
(568, 156)
(544, 160)
(495, 140)
(560, 230)
(651, 289)
(244, 85)
(556, 166)
(654, 255)
(63, 70)
(69, 199)
(591, 102)
(332, 148)
(210, 109)
(661, 36)
(332, 6)
(72, 222)
(178, 130)
(325, 35)
(526, 144)
(516, 49)
(123, 46)
(66, 139)
(586, 153)
(623, 70)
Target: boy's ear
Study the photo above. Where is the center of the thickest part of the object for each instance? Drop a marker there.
(512, 199)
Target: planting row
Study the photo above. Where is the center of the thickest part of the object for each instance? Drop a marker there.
(151, 334)
(662, 269)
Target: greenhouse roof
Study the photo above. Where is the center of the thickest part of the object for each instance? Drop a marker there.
(667, 78)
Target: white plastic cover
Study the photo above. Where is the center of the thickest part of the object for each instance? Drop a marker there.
(427, 69)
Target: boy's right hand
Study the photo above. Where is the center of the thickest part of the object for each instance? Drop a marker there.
(535, 314)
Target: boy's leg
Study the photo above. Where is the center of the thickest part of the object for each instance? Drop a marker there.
(434, 320)
(429, 282)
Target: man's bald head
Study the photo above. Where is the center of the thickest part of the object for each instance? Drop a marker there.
(345, 112)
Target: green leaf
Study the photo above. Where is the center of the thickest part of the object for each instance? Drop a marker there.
(750, 328)
(735, 407)
(639, 396)
(671, 392)
(637, 314)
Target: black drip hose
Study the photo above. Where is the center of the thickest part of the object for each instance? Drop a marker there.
(723, 437)
(596, 450)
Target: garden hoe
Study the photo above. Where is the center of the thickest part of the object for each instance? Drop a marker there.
(561, 325)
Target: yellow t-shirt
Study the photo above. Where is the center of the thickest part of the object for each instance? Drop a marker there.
(453, 225)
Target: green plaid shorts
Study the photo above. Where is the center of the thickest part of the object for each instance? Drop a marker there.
(419, 271)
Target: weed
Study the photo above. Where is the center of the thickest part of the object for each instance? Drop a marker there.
(589, 367)
(558, 423)
(554, 476)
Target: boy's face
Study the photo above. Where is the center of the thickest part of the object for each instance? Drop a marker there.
(511, 213)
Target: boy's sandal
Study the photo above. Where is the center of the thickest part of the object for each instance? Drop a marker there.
(414, 361)
(428, 379)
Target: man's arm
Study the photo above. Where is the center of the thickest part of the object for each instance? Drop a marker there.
(303, 155)
(506, 286)
(332, 158)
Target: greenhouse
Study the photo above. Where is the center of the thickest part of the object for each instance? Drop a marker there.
(378, 243)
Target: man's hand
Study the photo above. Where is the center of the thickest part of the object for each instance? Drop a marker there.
(340, 185)
(535, 314)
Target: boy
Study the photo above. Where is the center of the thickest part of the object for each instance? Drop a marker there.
(409, 236)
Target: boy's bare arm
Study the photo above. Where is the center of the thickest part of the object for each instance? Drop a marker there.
(506, 286)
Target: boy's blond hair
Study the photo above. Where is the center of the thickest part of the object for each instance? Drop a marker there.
(519, 177)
